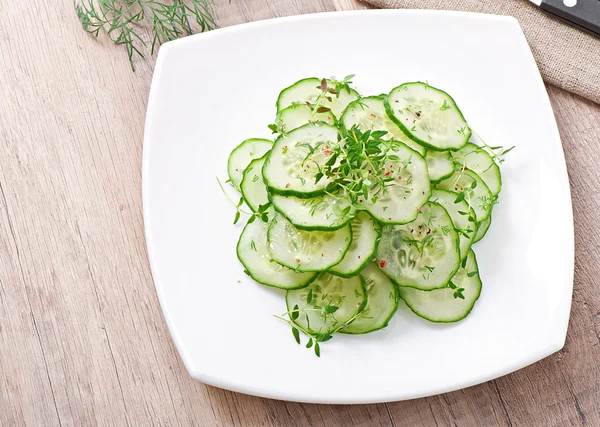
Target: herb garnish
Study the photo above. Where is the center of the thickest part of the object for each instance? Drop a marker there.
(124, 21)
(261, 213)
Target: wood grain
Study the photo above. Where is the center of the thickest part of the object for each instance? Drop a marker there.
(82, 338)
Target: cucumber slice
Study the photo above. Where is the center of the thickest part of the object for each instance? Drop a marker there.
(254, 256)
(475, 192)
(307, 90)
(347, 294)
(252, 186)
(365, 236)
(461, 215)
(382, 302)
(242, 155)
(369, 114)
(423, 254)
(441, 305)
(439, 164)
(306, 250)
(428, 115)
(402, 198)
(482, 228)
(325, 213)
(479, 161)
(285, 170)
(296, 115)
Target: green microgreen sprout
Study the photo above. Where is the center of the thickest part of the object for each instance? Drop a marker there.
(324, 310)
(260, 213)
(458, 292)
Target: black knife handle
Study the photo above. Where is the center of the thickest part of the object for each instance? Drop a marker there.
(585, 14)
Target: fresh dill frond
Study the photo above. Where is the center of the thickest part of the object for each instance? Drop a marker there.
(127, 22)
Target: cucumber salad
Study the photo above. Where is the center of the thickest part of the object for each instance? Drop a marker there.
(363, 201)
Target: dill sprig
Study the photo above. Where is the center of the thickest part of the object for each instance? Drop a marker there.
(124, 21)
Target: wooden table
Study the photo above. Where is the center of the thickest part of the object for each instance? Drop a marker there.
(82, 338)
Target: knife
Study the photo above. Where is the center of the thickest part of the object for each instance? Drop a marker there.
(583, 14)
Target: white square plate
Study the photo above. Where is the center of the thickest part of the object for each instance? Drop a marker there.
(213, 90)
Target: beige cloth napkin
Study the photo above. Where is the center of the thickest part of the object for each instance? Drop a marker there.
(566, 57)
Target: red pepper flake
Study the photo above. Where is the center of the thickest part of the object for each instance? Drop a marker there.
(373, 115)
(382, 263)
(297, 259)
(387, 173)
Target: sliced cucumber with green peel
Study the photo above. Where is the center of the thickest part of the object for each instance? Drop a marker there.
(382, 302)
(450, 304)
(253, 254)
(288, 172)
(242, 155)
(440, 165)
(361, 202)
(401, 199)
(462, 217)
(365, 236)
(303, 250)
(297, 115)
(423, 254)
(482, 228)
(252, 186)
(368, 113)
(308, 90)
(326, 213)
(479, 161)
(328, 304)
(428, 116)
(472, 189)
